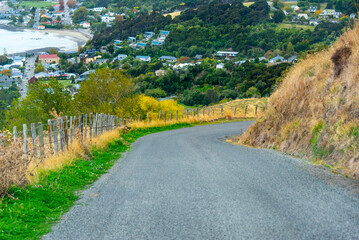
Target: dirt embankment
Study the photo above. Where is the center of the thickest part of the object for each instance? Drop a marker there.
(315, 111)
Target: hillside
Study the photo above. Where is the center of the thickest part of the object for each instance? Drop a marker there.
(315, 111)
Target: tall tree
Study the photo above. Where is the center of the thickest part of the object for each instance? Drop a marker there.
(108, 91)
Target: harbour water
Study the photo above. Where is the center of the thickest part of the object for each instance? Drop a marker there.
(26, 40)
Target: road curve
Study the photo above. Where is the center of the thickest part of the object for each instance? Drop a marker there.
(190, 184)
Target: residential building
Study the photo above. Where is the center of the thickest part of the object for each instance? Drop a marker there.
(277, 59)
(50, 58)
(314, 22)
(144, 58)
(312, 9)
(227, 54)
(140, 45)
(157, 43)
(352, 16)
(131, 39)
(120, 57)
(149, 34)
(85, 24)
(160, 72)
(168, 59)
(164, 33)
(220, 66)
(303, 15)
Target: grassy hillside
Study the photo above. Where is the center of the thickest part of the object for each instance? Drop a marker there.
(315, 111)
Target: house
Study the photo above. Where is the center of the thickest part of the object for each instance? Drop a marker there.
(144, 58)
(131, 39)
(352, 16)
(295, 8)
(160, 72)
(303, 15)
(118, 42)
(168, 59)
(32, 80)
(312, 9)
(198, 57)
(157, 43)
(292, 59)
(226, 54)
(6, 82)
(50, 58)
(220, 66)
(103, 49)
(85, 24)
(120, 57)
(100, 61)
(262, 59)
(16, 73)
(140, 45)
(41, 27)
(276, 59)
(327, 13)
(149, 34)
(337, 14)
(107, 19)
(98, 9)
(314, 22)
(85, 75)
(164, 33)
(42, 75)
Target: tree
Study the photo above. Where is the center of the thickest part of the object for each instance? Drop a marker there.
(80, 15)
(39, 68)
(71, 3)
(53, 51)
(108, 91)
(7, 72)
(278, 16)
(211, 96)
(41, 100)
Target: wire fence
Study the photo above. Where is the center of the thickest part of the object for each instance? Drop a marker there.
(36, 142)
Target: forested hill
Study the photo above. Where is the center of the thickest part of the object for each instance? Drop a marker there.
(204, 29)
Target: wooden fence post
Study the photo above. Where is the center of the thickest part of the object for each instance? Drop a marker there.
(222, 110)
(62, 134)
(14, 133)
(159, 115)
(255, 112)
(213, 109)
(176, 115)
(245, 110)
(24, 129)
(234, 111)
(49, 132)
(91, 125)
(148, 117)
(164, 117)
(171, 115)
(41, 139)
(55, 136)
(182, 114)
(66, 133)
(33, 137)
(71, 129)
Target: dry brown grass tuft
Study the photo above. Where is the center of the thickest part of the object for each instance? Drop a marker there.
(315, 111)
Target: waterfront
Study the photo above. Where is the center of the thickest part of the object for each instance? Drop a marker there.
(28, 40)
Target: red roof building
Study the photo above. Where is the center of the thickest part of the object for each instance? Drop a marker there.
(50, 58)
(32, 80)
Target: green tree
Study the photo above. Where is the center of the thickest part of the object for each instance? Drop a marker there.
(108, 91)
(278, 16)
(211, 96)
(41, 100)
(80, 15)
(39, 68)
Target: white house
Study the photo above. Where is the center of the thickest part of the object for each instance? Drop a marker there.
(227, 54)
(312, 9)
(220, 66)
(85, 24)
(303, 15)
(168, 59)
(144, 58)
(120, 57)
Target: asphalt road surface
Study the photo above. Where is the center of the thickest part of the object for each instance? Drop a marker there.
(190, 184)
(29, 72)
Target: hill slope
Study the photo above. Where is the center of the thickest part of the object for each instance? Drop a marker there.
(315, 111)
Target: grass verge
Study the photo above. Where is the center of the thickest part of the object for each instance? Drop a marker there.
(29, 212)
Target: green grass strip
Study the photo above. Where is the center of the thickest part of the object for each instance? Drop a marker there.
(39, 206)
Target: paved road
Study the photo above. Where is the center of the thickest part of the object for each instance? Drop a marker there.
(28, 73)
(189, 184)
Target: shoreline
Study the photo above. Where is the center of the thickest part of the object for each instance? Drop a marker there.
(79, 37)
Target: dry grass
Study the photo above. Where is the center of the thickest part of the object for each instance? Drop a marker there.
(173, 14)
(314, 113)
